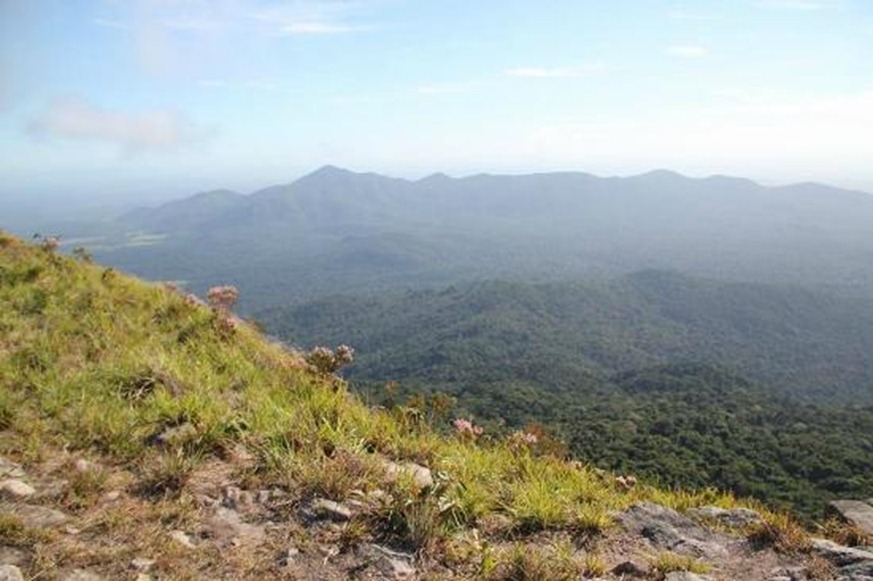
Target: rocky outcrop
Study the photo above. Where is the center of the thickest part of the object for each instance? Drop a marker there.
(666, 529)
(10, 573)
(853, 564)
(734, 518)
(420, 475)
(855, 512)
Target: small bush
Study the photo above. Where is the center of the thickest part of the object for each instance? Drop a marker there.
(593, 566)
(164, 476)
(670, 562)
(845, 533)
(537, 563)
(780, 532)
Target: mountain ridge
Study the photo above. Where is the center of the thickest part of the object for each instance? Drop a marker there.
(345, 229)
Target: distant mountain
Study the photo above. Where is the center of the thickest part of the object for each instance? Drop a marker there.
(198, 211)
(335, 230)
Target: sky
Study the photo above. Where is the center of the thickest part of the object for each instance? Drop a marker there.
(164, 97)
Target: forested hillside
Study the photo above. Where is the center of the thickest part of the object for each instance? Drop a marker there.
(760, 389)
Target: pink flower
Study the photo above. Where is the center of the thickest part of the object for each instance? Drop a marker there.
(222, 298)
(466, 428)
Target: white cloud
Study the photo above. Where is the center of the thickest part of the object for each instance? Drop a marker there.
(190, 38)
(78, 119)
(558, 72)
(690, 51)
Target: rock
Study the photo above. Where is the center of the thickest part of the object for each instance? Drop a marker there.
(629, 569)
(37, 517)
(789, 574)
(142, 564)
(331, 510)
(684, 576)
(667, 529)
(392, 564)
(854, 512)
(12, 556)
(235, 497)
(286, 557)
(10, 469)
(227, 528)
(241, 455)
(733, 518)
(111, 496)
(183, 539)
(81, 575)
(10, 573)
(862, 571)
(839, 555)
(82, 465)
(52, 490)
(205, 500)
(263, 496)
(16, 489)
(419, 474)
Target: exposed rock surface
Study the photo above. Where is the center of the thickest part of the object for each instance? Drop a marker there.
(36, 517)
(10, 573)
(16, 489)
(392, 564)
(331, 510)
(733, 518)
(685, 576)
(9, 469)
(183, 539)
(11, 556)
(420, 475)
(81, 575)
(227, 528)
(142, 564)
(666, 529)
(855, 512)
(852, 564)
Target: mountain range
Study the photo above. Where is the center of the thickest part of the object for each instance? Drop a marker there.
(334, 231)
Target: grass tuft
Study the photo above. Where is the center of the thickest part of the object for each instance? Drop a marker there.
(668, 562)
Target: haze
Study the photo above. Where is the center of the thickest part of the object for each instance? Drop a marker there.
(154, 99)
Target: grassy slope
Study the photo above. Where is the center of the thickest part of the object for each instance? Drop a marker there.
(96, 362)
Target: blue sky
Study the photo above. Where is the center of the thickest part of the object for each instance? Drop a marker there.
(115, 96)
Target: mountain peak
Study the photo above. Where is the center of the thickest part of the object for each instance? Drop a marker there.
(329, 171)
(437, 177)
(661, 174)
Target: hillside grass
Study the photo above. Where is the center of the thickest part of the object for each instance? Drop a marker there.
(145, 378)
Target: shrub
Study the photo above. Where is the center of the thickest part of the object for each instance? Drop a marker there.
(326, 361)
